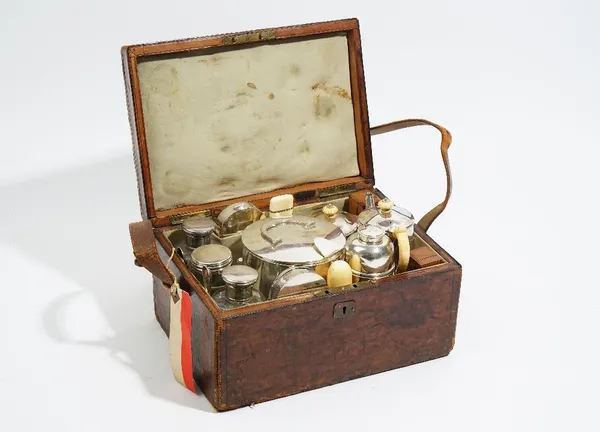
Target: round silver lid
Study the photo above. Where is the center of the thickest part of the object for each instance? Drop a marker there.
(344, 221)
(213, 256)
(291, 240)
(239, 275)
(371, 234)
(200, 226)
(236, 217)
(388, 216)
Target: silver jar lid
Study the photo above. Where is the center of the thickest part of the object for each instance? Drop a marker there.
(344, 221)
(239, 276)
(198, 226)
(295, 280)
(212, 256)
(291, 240)
(388, 216)
(236, 217)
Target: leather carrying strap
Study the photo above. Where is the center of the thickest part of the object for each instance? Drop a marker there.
(145, 251)
(432, 215)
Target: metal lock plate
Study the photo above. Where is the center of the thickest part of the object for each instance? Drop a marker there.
(344, 309)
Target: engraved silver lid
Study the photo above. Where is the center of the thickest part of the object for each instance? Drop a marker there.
(239, 276)
(291, 240)
(212, 256)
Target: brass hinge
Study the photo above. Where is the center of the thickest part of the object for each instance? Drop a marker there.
(179, 218)
(248, 37)
(336, 190)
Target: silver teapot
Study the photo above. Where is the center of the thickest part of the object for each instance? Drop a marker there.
(370, 253)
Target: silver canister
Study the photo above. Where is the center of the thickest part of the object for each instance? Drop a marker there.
(274, 245)
(295, 280)
(207, 263)
(239, 287)
(370, 253)
(197, 231)
(231, 222)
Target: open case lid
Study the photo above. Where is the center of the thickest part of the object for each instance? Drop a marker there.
(246, 116)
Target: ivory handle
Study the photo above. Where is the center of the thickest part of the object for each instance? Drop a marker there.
(339, 274)
(403, 248)
(281, 206)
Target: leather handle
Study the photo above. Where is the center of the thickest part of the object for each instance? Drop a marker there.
(432, 215)
(145, 251)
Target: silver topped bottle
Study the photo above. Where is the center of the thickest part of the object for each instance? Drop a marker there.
(197, 231)
(239, 287)
(208, 262)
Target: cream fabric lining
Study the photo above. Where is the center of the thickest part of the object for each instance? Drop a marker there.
(239, 122)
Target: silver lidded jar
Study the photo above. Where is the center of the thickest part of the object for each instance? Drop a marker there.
(207, 263)
(370, 253)
(274, 245)
(239, 287)
(197, 231)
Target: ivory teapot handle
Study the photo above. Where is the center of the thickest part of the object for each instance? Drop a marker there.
(403, 248)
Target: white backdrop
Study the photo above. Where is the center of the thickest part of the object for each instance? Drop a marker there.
(516, 82)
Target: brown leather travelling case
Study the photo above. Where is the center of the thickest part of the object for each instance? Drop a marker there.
(289, 345)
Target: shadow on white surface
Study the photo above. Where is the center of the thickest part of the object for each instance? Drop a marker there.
(76, 223)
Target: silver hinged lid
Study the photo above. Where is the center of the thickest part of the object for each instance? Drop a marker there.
(292, 240)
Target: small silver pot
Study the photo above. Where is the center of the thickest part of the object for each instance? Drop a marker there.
(370, 253)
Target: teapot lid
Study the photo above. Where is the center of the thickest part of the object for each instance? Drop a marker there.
(388, 216)
(345, 221)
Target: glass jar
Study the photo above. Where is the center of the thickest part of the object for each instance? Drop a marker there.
(208, 262)
(239, 287)
(197, 232)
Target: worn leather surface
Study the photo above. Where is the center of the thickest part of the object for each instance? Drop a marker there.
(432, 215)
(145, 251)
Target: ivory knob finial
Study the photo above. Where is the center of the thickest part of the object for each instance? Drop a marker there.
(330, 210)
(385, 205)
